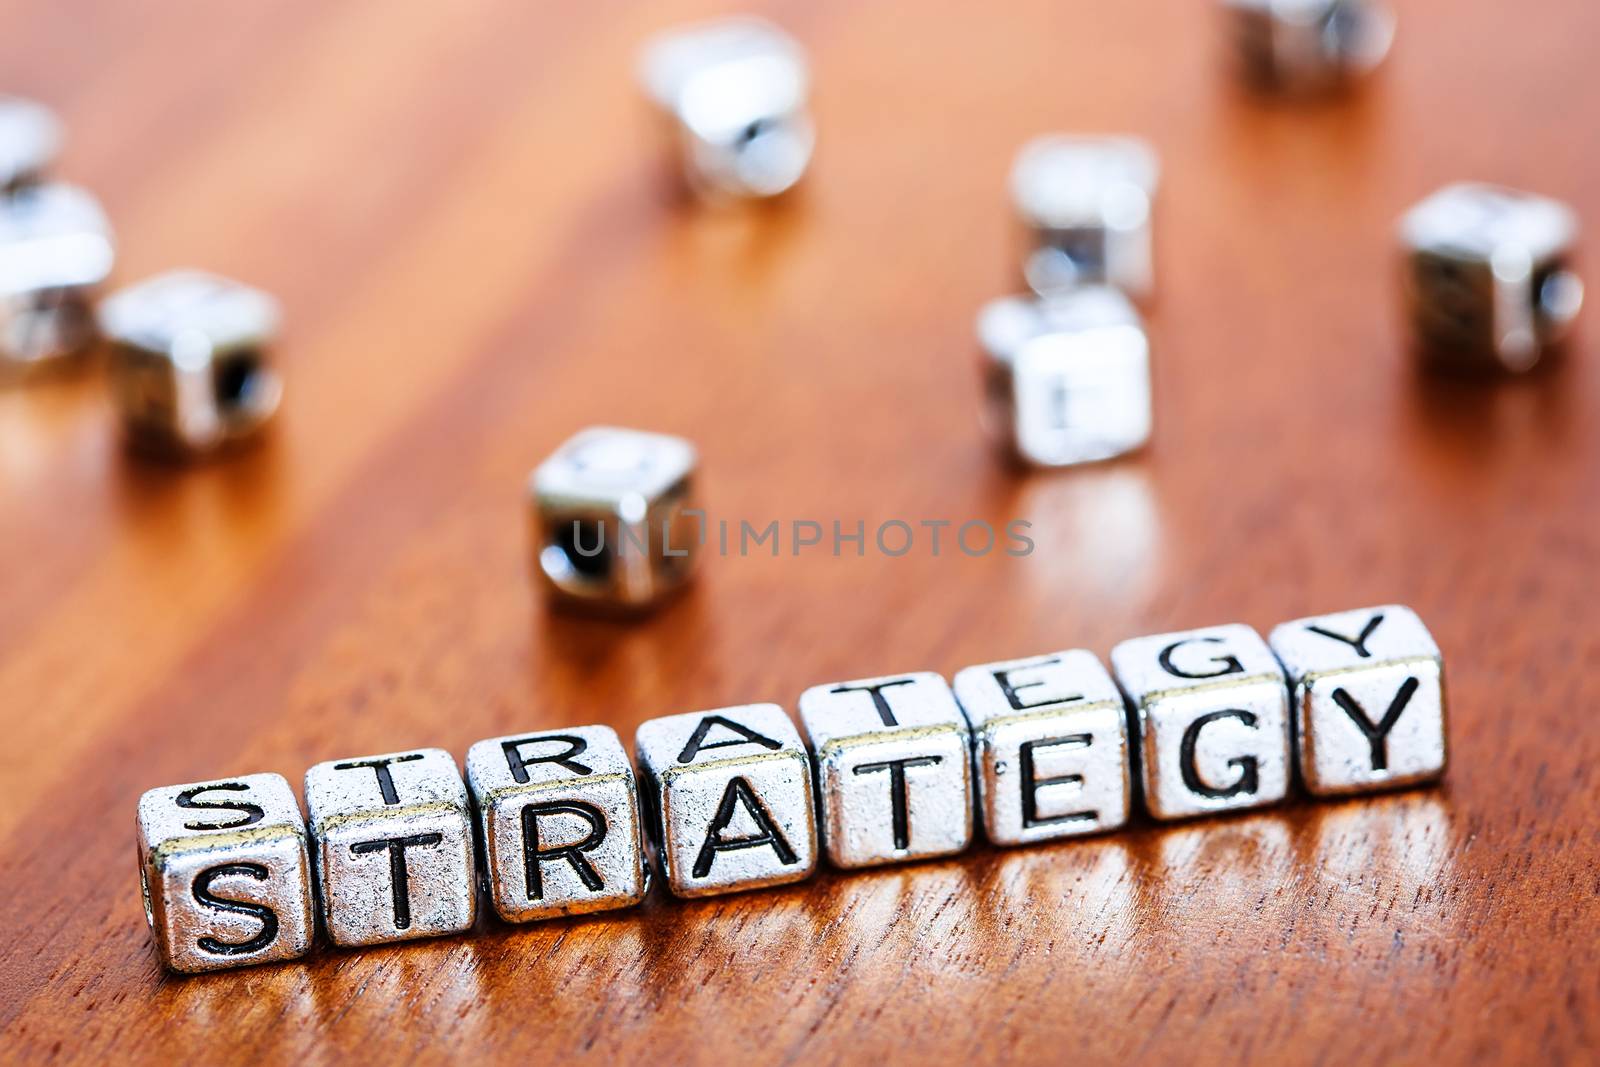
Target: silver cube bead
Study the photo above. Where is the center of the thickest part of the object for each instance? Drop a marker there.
(1212, 709)
(614, 520)
(735, 92)
(392, 841)
(30, 137)
(558, 814)
(1310, 45)
(1085, 205)
(1067, 378)
(1368, 693)
(55, 250)
(1051, 743)
(191, 364)
(728, 794)
(894, 768)
(1488, 277)
(225, 874)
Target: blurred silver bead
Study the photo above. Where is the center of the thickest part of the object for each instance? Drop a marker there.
(1212, 710)
(1310, 45)
(1085, 205)
(735, 90)
(894, 768)
(1066, 379)
(55, 250)
(612, 527)
(30, 137)
(1368, 693)
(392, 837)
(729, 797)
(191, 362)
(558, 814)
(1051, 744)
(1489, 280)
(224, 872)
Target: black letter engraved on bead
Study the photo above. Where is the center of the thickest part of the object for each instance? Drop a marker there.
(381, 768)
(897, 792)
(1230, 665)
(1003, 678)
(519, 764)
(1359, 643)
(1031, 783)
(738, 791)
(399, 882)
(697, 740)
(1377, 735)
(249, 813)
(533, 855)
(885, 713)
(265, 915)
(1248, 780)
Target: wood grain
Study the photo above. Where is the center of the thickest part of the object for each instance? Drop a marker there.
(480, 251)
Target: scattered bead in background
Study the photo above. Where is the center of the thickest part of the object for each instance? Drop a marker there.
(611, 518)
(30, 137)
(1066, 378)
(394, 851)
(55, 251)
(1308, 46)
(735, 92)
(225, 873)
(1085, 205)
(1489, 283)
(190, 362)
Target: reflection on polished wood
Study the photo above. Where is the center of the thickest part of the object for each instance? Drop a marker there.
(478, 249)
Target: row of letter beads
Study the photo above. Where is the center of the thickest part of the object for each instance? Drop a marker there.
(889, 769)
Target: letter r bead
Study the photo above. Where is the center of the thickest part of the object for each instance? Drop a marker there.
(1369, 704)
(1051, 736)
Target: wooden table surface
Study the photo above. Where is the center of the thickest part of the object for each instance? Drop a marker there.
(479, 248)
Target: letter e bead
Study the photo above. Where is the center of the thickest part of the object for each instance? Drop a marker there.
(1369, 706)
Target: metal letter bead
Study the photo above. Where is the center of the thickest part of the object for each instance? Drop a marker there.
(894, 768)
(1489, 283)
(1310, 45)
(393, 845)
(224, 873)
(1051, 739)
(30, 136)
(728, 794)
(190, 361)
(1369, 706)
(1067, 378)
(558, 814)
(735, 89)
(1085, 205)
(55, 250)
(1213, 719)
(614, 524)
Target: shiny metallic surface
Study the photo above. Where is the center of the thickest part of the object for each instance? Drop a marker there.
(1050, 740)
(392, 847)
(191, 365)
(225, 874)
(558, 814)
(1369, 699)
(728, 795)
(894, 768)
(1212, 712)
(1305, 46)
(1085, 204)
(30, 137)
(1489, 282)
(735, 92)
(1067, 378)
(55, 250)
(612, 525)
